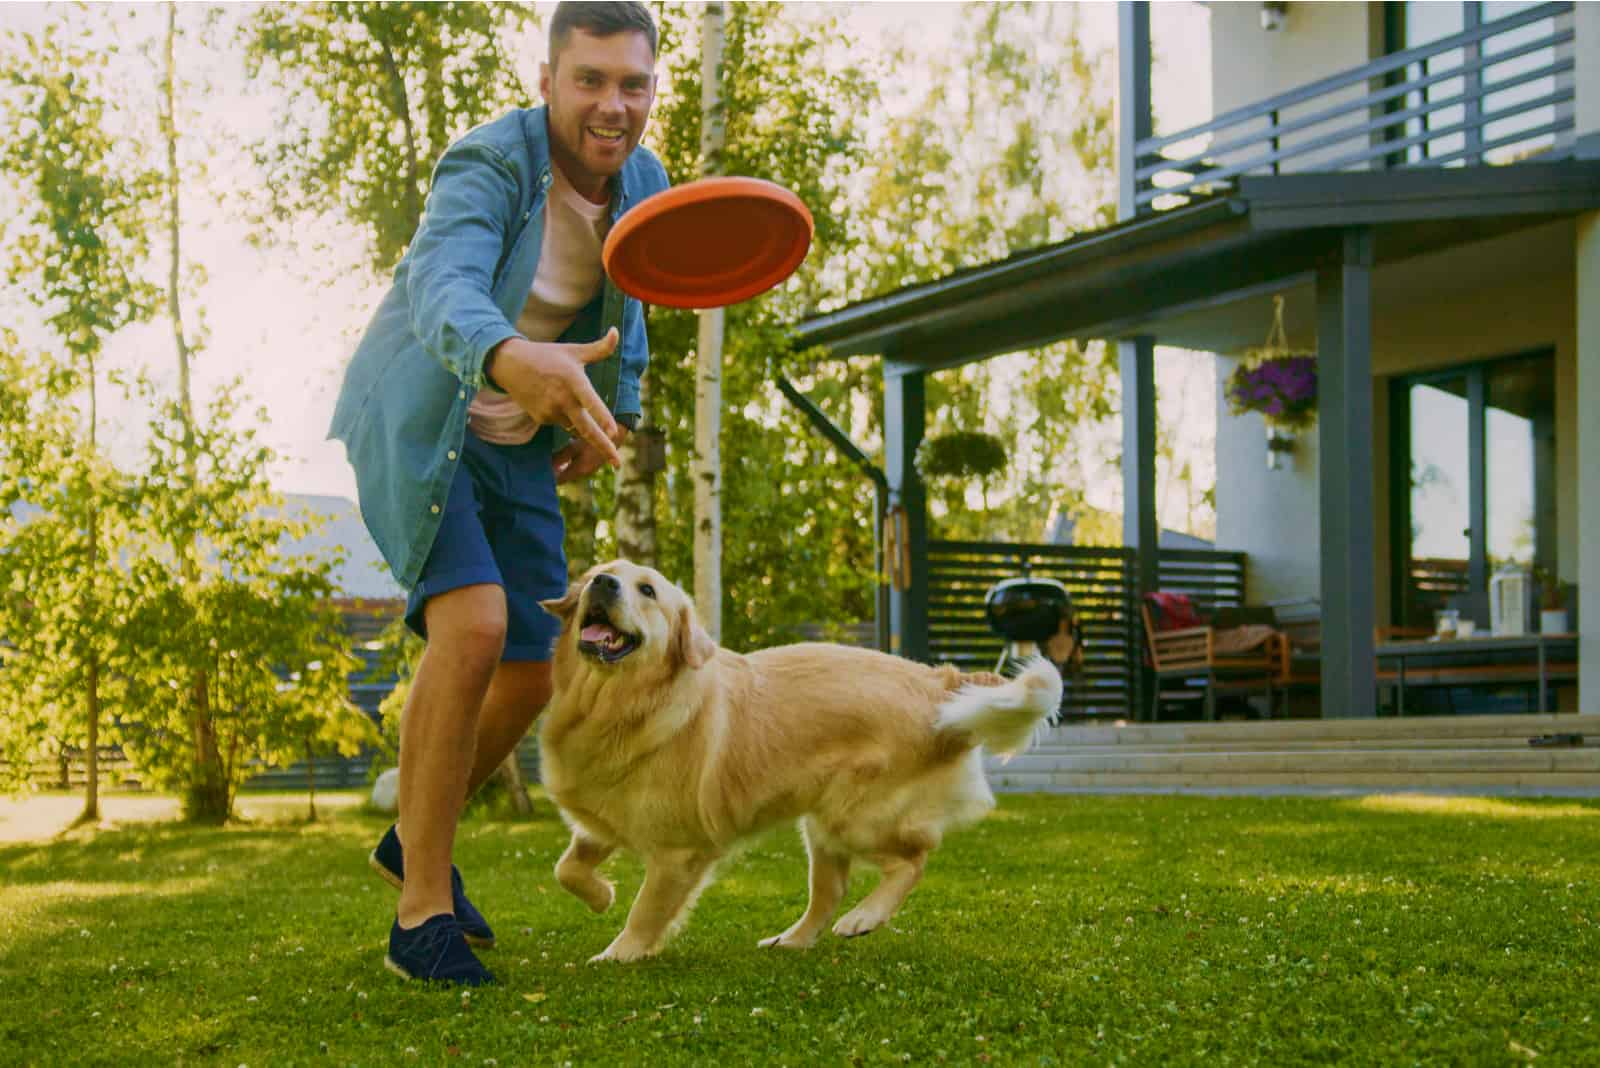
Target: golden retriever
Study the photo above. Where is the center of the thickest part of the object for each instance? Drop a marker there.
(660, 742)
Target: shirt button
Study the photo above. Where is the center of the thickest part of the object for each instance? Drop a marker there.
(434, 509)
(462, 394)
(452, 454)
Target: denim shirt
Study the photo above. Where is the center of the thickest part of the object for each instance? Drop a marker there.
(457, 293)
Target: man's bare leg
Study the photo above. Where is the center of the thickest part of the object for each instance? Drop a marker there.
(517, 694)
(439, 735)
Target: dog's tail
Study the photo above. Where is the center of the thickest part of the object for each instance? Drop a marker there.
(1002, 718)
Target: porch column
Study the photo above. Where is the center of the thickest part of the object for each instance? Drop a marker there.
(1140, 531)
(904, 414)
(1588, 473)
(1133, 100)
(1344, 372)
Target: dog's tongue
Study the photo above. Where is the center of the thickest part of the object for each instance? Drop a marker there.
(596, 632)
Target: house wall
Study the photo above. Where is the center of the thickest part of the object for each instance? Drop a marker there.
(1586, 49)
(1249, 64)
(1270, 514)
(1587, 393)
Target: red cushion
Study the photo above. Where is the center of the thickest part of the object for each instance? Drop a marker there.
(1173, 611)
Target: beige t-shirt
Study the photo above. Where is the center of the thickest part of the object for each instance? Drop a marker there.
(568, 277)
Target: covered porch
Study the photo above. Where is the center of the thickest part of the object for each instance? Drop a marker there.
(1355, 255)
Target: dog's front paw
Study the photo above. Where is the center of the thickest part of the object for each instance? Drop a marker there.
(788, 941)
(589, 888)
(622, 952)
(859, 921)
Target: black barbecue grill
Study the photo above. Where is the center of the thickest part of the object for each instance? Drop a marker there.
(1026, 611)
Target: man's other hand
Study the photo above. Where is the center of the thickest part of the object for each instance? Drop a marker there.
(578, 459)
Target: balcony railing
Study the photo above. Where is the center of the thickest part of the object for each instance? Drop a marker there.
(1496, 93)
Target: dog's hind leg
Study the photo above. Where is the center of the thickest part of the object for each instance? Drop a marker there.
(671, 881)
(901, 872)
(575, 871)
(830, 874)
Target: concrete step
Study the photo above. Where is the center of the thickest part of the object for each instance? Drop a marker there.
(1330, 761)
(1310, 745)
(1573, 783)
(1458, 753)
(1145, 734)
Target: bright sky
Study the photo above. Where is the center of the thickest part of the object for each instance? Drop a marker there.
(286, 318)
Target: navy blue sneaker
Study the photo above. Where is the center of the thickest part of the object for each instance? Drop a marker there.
(388, 862)
(435, 951)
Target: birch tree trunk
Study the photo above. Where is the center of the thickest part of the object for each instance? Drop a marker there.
(708, 363)
(91, 795)
(516, 789)
(207, 798)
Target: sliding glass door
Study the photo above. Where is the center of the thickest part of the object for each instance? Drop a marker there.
(1473, 482)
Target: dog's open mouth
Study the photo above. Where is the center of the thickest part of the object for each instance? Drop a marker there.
(602, 640)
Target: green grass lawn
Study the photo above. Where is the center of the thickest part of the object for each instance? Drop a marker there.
(1156, 930)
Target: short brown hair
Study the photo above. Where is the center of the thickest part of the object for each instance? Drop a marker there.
(600, 20)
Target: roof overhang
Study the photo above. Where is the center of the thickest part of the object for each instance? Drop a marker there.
(1269, 232)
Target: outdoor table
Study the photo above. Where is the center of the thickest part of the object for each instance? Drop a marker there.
(1540, 644)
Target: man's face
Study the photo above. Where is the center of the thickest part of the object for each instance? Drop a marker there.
(599, 95)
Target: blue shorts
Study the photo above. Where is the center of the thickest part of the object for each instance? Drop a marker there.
(502, 525)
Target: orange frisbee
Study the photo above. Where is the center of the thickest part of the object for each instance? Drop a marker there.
(708, 244)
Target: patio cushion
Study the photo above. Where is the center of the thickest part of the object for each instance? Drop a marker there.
(1173, 611)
(1233, 641)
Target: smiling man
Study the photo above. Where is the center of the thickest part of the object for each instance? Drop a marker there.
(501, 362)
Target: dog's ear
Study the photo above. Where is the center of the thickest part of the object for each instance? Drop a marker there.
(691, 644)
(563, 607)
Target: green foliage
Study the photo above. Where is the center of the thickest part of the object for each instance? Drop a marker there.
(160, 593)
(217, 598)
(1013, 147)
(63, 508)
(372, 95)
(1186, 931)
(77, 252)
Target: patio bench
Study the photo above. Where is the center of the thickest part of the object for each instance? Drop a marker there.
(1236, 653)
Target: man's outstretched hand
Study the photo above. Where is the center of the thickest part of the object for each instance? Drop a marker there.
(546, 379)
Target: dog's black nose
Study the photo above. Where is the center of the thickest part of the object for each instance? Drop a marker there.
(605, 585)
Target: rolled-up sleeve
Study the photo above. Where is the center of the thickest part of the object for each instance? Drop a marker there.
(471, 208)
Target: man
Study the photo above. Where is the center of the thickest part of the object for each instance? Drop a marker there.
(501, 362)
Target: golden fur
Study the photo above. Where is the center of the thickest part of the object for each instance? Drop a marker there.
(681, 749)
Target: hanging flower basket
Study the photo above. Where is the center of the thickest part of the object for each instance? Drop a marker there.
(961, 454)
(1278, 382)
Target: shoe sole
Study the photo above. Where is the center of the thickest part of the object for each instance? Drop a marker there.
(389, 963)
(389, 877)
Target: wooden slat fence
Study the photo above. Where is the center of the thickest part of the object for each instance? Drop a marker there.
(1102, 584)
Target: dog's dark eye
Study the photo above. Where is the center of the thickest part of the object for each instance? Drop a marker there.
(648, 590)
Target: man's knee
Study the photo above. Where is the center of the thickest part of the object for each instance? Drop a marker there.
(469, 625)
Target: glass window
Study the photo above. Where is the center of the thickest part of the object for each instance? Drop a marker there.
(1510, 482)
